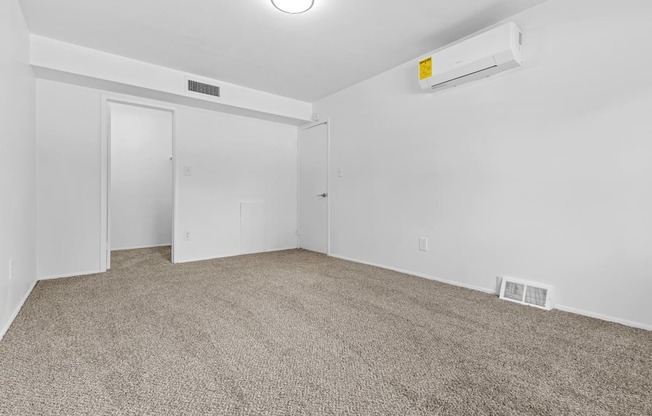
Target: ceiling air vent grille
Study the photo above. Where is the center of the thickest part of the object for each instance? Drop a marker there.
(202, 88)
(526, 293)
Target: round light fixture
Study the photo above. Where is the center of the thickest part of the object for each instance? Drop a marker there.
(293, 6)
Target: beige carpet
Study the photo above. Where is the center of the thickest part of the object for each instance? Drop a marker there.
(297, 333)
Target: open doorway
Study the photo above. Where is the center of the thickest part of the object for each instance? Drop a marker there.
(140, 177)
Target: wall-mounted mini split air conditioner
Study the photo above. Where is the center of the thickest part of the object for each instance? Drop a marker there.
(480, 56)
(526, 293)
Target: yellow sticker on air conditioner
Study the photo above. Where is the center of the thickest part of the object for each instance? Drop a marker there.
(425, 68)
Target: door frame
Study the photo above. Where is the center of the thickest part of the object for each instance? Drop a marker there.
(305, 127)
(105, 169)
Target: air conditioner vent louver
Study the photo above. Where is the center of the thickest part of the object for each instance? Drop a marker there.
(526, 293)
(442, 84)
(202, 88)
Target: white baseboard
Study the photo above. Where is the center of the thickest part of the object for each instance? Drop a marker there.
(602, 317)
(13, 316)
(425, 276)
(140, 247)
(608, 318)
(61, 276)
(271, 250)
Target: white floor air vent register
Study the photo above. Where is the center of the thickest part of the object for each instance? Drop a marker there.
(526, 293)
(480, 56)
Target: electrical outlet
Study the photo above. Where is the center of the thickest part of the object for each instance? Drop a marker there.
(11, 268)
(423, 243)
(186, 235)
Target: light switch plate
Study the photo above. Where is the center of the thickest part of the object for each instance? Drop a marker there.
(187, 171)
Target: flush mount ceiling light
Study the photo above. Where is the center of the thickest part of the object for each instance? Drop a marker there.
(293, 6)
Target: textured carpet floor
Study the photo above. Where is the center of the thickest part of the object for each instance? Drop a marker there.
(297, 333)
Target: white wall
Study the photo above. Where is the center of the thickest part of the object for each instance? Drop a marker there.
(232, 159)
(542, 173)
(141, 177)
(17, 164)
(68, 179)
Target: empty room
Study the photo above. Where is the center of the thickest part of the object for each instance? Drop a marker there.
(325, 207)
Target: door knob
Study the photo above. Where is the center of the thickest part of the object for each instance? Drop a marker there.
(324, 195)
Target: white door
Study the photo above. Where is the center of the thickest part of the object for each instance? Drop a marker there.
(313, 188)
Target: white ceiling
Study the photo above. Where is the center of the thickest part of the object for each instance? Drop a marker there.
(248, 42)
